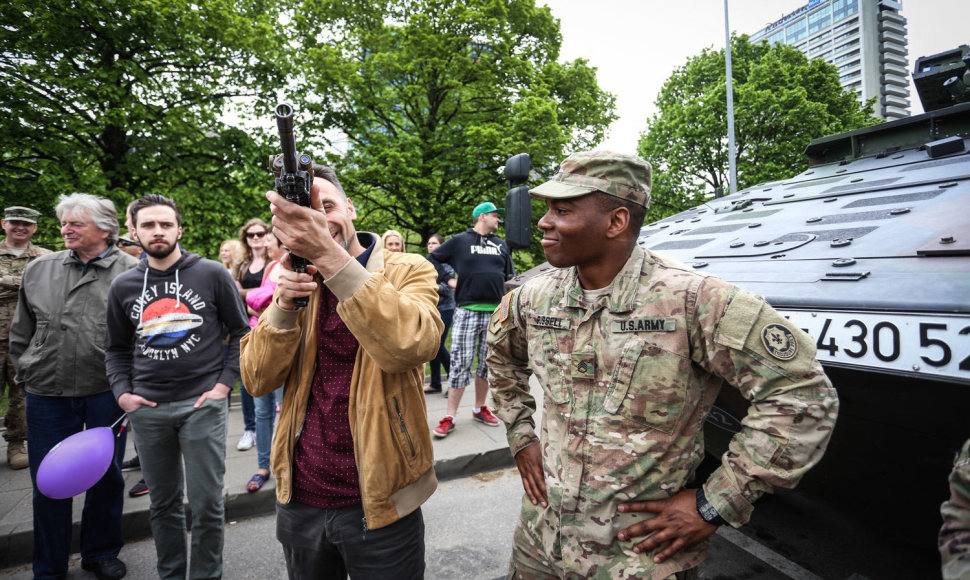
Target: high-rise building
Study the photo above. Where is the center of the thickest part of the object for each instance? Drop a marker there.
(864, 39)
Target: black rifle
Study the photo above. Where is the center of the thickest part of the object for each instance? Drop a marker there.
(292, 180)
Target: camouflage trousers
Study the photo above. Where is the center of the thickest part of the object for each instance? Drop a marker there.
(15, 420)
(530, 561)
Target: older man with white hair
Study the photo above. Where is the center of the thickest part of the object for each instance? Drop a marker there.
(57, 348)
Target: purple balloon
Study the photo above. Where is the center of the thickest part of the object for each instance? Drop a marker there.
(76, 463)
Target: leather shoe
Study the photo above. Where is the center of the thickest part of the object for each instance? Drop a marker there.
(112, 569)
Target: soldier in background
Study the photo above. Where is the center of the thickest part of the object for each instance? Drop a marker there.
(16, 251)
(955, 533)
(631, 350)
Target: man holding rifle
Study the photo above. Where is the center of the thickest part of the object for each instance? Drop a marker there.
(352, 451)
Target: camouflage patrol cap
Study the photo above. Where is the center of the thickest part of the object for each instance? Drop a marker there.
(624, 176)
(21, 213)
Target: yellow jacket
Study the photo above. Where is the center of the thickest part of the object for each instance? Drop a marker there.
(391, 308)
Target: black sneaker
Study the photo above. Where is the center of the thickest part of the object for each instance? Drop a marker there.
(138, 489)
(131, 465)
(113, 569)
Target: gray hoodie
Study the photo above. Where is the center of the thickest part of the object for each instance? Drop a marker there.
(165, 330)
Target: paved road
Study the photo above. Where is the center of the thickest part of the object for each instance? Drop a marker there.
(469, 525)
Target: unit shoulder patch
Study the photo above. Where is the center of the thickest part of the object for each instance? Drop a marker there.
(779, 341)
(504, 307)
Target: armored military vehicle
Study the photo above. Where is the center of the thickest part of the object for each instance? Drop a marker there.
(868, 250)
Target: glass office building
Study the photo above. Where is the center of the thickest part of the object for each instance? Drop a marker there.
(864, 39)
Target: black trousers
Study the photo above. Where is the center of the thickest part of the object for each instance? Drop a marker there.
(332, 543)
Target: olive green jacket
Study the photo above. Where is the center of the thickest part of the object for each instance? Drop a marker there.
(58, 330)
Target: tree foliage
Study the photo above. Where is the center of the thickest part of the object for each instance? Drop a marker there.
(782, 100)
(127, 97)
(433, 96)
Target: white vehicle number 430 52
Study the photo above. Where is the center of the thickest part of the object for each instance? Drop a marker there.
(928, 344)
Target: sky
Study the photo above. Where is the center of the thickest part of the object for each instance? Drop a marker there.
(637, 44)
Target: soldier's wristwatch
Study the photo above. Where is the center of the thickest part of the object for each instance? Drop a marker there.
(706, 510)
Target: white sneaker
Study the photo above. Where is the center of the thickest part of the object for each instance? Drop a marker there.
(247, 441)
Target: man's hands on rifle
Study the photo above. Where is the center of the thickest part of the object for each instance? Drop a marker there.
(677, 524)
(308, 231)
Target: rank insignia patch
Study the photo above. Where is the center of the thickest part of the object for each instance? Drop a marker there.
(583, 365)
(779, 341)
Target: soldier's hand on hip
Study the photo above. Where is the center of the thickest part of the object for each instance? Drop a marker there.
(529, 461)
(677, 523)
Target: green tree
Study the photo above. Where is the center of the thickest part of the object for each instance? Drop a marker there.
(782, 100)
(432, 96)
(128, 97)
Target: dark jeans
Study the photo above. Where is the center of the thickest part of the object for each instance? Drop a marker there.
(443, 358)
(332, 543)
(49, 421)
(248, 408)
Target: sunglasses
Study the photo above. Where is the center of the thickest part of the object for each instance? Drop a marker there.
(126, 243)
(252, 235)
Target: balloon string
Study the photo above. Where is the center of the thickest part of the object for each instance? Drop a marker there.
(123, 419)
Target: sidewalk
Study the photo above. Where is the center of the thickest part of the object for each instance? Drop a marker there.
(471, 448)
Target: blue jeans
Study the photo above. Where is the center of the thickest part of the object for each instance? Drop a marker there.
(442, 359)
(265, 417)
(245, 399)
(49, 421)
(168, 435)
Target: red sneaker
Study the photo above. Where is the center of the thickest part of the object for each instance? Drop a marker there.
(486, 417)
(447, 425)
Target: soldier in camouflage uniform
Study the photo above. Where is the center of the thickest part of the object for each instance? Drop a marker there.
(955, 533)
(16, 251)
(631, 350)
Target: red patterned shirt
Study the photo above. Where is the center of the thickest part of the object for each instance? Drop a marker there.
(325, 470)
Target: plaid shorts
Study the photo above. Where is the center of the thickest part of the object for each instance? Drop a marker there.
(468, 335)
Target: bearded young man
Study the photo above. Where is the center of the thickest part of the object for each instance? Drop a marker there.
(166, 323)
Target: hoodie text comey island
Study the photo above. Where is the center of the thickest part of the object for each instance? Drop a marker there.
(165, 330)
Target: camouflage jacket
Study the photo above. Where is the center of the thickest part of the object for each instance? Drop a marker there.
(628, 381)
(955, 533)
(12, 269)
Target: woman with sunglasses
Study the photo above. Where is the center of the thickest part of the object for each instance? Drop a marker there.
(249, 274)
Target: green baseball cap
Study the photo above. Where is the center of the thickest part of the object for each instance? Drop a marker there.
(624, 176)
(18, 212)
(487, 207)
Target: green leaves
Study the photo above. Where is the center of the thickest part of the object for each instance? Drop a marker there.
(126, 98)
(416, 103)
(782, 100)
(434, 96)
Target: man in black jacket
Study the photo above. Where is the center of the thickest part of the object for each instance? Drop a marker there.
(483, 264)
